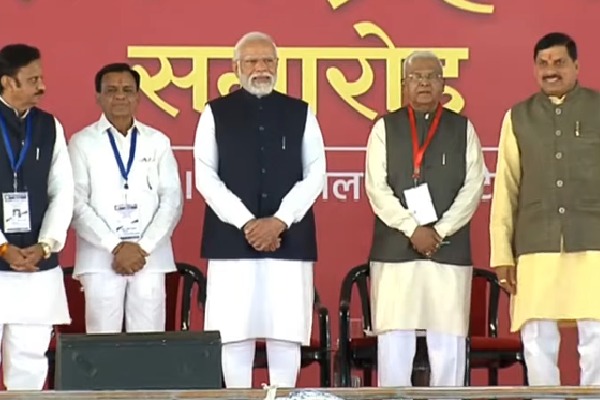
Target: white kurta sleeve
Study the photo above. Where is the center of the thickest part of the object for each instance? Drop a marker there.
(383, 201)
(60, 194)
(303, 195)
(469, 196)
(170, 201)
(89, 225)
(228, 207)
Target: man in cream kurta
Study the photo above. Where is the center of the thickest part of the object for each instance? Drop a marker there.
(544, 229)
(421, 273)
(260, 166)
(128, 200)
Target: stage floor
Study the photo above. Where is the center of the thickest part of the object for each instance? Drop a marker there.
(563, 392)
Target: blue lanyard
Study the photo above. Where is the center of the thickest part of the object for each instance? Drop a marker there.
(132, 148)
(17, 164)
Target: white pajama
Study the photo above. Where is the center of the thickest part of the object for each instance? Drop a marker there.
(109, 297)
(396, 351)
(541, 341)
(283, 359)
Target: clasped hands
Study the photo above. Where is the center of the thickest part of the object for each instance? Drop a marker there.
(426, 240)
(263, 234)
(24, 260)
(128, 258)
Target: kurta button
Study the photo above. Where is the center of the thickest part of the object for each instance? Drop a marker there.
(264, 195)
(558, 111)
(558, 155)
(559, 183)
(558, 132)
(263, 170)
(561, 210)
(261, 128)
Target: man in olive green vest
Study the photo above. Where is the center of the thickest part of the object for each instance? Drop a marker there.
(424, 180)
(545, 216)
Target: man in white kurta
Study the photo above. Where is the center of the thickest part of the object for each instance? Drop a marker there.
(128, 201)
(260, 165)
(35, 166)
(421, 267)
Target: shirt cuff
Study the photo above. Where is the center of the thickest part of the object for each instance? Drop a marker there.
(284, 217)
(110, 243)
(243, 220)
(408, 227)
(146, 245)
(50, 242)
(442, 229)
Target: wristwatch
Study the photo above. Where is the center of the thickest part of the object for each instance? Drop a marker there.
(46, 250)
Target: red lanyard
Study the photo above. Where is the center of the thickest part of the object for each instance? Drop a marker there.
(419, 152)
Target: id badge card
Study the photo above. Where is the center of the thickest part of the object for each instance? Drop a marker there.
(128, 221)
(419, 203)
(17, 218)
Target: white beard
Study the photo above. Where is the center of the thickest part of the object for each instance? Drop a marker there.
(255, 88)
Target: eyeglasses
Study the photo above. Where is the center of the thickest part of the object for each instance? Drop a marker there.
(430, 77)
(252, 62)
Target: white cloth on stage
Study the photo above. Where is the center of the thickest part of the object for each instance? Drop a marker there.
(259, 298)
(140, 298)
(421, 294)
(155, 186)
(35, 301)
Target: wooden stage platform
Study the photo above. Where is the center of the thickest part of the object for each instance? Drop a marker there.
(562, 392)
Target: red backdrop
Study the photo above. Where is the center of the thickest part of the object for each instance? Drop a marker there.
(343, 56)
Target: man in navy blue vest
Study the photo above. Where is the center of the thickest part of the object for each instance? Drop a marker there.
(260, 166)
(37, 204)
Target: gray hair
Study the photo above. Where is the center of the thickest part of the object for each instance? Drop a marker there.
(420, 55)
(252, 37)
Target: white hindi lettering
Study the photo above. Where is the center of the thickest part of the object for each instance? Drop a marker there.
(342, 186)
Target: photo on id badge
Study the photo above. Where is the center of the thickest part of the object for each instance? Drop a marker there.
(15, 207)
(128, 225)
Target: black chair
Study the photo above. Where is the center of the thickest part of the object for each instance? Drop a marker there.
(484, 348)
(318, 351)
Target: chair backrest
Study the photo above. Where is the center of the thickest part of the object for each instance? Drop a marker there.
(192, 276)
(359, 277)
(485, 296)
